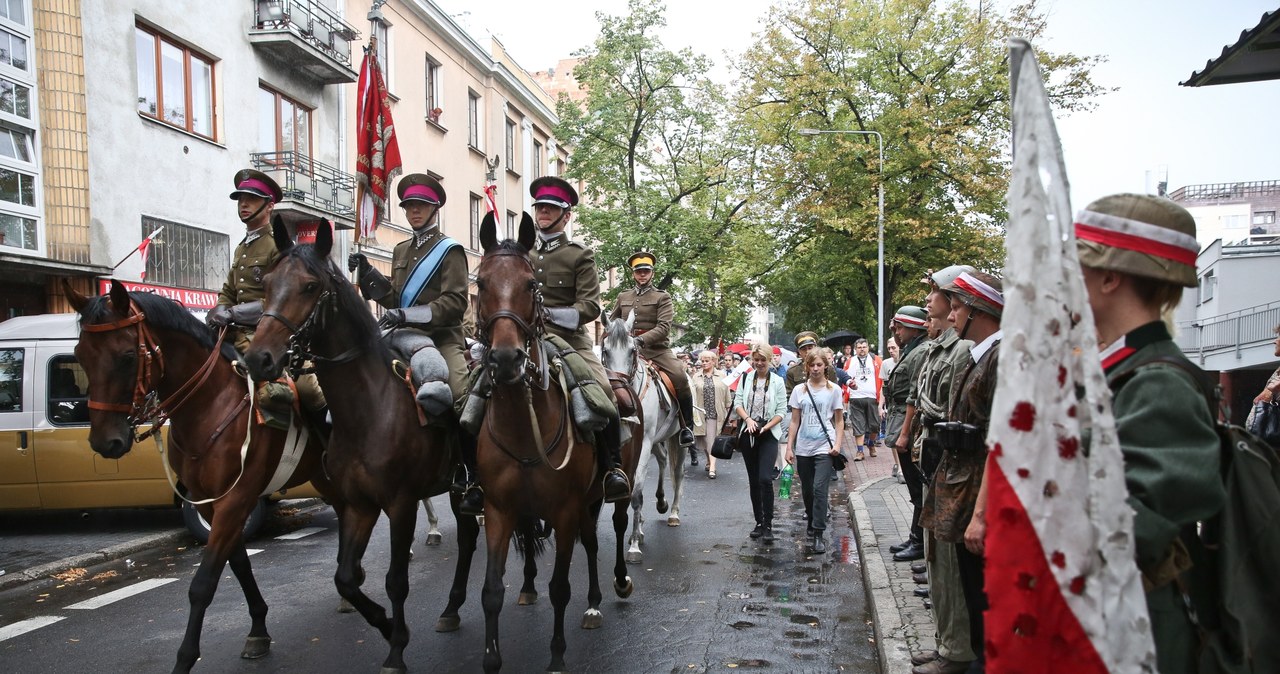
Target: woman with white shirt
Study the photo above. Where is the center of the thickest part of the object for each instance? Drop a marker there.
(817, 423)
(761, 401)
(710, 406)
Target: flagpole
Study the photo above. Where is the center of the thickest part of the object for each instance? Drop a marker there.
(138, 247)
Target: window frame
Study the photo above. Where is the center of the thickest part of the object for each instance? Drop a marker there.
(280, 98)
(473, 119)
(510, 144)
(159, 39)
(474, 208)
(431, 83)
(382, 30)
(215, 262)
(536, 164)
(79, 404)
(513, 222)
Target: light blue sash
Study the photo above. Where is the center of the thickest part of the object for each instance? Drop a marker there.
(425, 270)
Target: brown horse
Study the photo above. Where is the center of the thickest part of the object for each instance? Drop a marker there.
(380, 458)
(533, 463)
(144, 356)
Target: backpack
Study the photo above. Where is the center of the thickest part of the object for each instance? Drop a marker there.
(1243, 546)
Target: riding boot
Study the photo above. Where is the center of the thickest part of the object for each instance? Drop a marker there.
(472, 493)
(616, 485)
(685, 398)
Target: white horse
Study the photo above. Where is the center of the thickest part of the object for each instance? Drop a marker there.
(661, 428)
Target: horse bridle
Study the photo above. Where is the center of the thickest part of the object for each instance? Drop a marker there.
(299, 350)
(532, 331)
(146, 406)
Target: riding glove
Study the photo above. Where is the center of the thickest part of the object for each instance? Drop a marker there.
(357, 261)
(393, 318)
(218, 316)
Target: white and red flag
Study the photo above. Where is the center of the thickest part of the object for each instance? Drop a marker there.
(1062, 584)
(377, 153)
(491, 199)
(141, 249)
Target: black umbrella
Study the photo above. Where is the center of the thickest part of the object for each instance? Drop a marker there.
(839, 338)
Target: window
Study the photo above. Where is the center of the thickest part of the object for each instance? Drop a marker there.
(475, 222)
(1208, 284)
(1264, 218)
(473, 119)
(17, 188)
(15, 98)
(11, 377)
(382, 33)
(15, 144)
(67, 392)
(18, 232)
(175, 84)
(14, 10)
(433, 90)
(284, 125)
(186, 257)
(511, 145)
(513, 223)
(13, 49)
(1235, 221)
(537, 161)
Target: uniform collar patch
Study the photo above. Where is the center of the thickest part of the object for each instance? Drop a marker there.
(253, 235)
(551, 243)
(423, 236)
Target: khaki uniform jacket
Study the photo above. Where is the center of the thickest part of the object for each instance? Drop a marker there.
(654, 313)
(446, 293)
(249, 264)
(1172, 469)
(898, 386)
(945, 358)
(722, 401)
(566, 274)
(796, 376)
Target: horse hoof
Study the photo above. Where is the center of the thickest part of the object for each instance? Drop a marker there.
(256, 647)
(345, 606)
(634, 556)
(448, 623)
(434, 539)
(394, 670)
(527, 599)
(593, 619)
(662, 507)
(673, 521)
(624, 590)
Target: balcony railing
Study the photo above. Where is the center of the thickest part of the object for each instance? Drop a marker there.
(1226, 191)
(307, 181)
(1236, 330)
(310, 23)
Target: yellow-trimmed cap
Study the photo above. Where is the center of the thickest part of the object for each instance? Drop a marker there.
(642, 260)
(806, 338)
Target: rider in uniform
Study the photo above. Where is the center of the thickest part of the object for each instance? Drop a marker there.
(433, 268)
(570, 286)
(652, 326)
(240, 300)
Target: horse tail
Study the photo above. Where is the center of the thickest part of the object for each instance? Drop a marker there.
(531, 536)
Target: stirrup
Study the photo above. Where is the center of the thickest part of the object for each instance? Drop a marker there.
(604, 484)
(467, 505)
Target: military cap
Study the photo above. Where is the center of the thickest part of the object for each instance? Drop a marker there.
(978, 290)
(420, 187)
(1140, 235)
(940, 278)
(642, 260)
(255, 184)
(911, 316)
(554, 191)
(806, 338)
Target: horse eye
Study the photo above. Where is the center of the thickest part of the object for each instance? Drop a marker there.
(532, 284)
(311, 287)
(480, 284)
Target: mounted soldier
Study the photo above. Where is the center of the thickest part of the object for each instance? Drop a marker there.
(427, 293)
(570, 285)
(652, 327)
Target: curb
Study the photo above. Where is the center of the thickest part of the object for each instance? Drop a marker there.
(894, 654)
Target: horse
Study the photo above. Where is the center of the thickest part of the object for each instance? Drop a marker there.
(661, 428)
(147, 359)
(381, 459)
(532, 461)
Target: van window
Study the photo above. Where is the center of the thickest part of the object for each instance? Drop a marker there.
(11, 380)
(68, 400)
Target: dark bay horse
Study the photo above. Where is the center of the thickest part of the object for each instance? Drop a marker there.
(532, 461)
(380, 458)
(145, 354)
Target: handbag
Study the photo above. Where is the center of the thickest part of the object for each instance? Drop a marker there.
(838, 460)
(1266, 422)
(727, 441)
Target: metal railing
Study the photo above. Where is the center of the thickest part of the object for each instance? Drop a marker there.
(311, 21)
(1225, 191)
(1236, 330)
(308, 181)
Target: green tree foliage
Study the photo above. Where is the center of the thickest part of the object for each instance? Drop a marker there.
(663, 171)
(932, 78)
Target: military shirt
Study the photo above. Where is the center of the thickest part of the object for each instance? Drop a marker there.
(796, 376)
(654, 313)
(566, 274)
(249, 263)
(944, 358)
(446, 293)
(904, 374)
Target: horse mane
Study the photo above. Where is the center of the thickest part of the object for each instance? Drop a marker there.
(162, 313)
(349, 302)
(615, 331)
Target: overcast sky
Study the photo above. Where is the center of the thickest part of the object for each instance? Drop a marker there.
(1199, 135)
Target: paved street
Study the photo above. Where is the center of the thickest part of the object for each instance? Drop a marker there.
(707, 599)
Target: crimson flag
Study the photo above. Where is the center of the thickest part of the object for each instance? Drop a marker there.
(377, 153)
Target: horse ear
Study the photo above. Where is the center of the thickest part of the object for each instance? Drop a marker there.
(119, 297)
(526, 231)
(78, 301)
(488, 232)
(324, 238)
(280, 233)
(631, 320)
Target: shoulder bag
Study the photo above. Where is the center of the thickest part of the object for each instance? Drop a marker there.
(838, 461)
(727, 441)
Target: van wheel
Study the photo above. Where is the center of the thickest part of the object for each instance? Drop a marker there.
(199, 527)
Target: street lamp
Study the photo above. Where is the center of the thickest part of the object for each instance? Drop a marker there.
(879, 228)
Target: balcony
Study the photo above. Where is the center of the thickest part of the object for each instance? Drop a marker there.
(312, 190)
(1232, 341)
(305, 35)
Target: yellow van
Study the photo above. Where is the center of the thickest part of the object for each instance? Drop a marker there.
(45, 459)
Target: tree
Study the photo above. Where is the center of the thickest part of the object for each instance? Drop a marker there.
(660, 170)
(931, 77)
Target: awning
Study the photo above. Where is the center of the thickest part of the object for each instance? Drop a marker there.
(1255, 57)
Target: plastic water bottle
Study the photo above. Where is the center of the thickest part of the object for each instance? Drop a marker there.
(784, 482)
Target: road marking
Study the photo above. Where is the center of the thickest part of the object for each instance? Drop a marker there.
(300, 533)
(251, 552)
(23, 626)
(122, 593)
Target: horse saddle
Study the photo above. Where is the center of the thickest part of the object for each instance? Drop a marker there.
(621, 386)
(667, 384)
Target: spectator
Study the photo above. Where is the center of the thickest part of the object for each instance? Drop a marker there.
(776, 362)
(1270, 391)
(841, 361)
(760, 402)
(711, 406)
(864, 402)
(817, 424)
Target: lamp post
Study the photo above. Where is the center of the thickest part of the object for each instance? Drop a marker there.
(879, 227)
